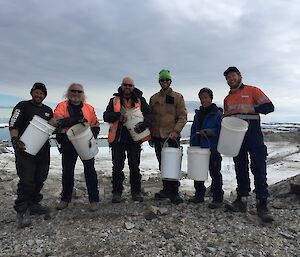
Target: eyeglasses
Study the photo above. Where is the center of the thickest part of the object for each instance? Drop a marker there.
(76, 91)
(127, 85)
(164, 80)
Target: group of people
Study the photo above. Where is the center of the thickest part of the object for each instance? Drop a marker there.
(165, 116)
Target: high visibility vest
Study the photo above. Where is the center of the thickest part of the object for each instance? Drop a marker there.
(244, 100)
(61, 111)
(114, 126)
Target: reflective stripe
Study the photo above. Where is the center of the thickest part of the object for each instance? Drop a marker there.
(114, 126)
(240, 107)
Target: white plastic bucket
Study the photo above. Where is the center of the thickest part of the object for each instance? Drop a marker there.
(83, 141)
(232, 134)
(198, 163)
(36, 134)
(133, 117)
(171, 163)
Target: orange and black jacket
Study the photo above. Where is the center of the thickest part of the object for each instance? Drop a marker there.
(112, 116)
(245, 99)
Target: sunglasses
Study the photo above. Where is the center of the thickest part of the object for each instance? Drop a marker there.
(76, 91)
(127, 85)
(164, 80)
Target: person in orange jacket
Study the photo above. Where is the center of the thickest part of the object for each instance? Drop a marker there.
(121, 141)
(247, 102)
(67, 113)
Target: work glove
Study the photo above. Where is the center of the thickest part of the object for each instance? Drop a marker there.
(206, 132)
(140, 127)
(17, 144)
(151, 143)
(54, 122)
(82, 120)
(95, 131)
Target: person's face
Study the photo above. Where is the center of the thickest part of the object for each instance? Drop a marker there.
(165, 83)
(205, 99)
(233, 79)
(75, 94)
(127, 87)
(37, 96)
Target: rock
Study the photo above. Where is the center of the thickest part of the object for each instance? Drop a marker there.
(295, 185)
(129, 225)
(150, 215)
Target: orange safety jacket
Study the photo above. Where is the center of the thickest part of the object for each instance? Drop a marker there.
(244, 100)
(114, 126)
(61, 111)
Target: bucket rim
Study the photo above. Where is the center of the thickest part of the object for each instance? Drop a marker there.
(244, 124)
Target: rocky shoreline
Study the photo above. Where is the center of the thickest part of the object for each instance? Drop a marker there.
(151, 228)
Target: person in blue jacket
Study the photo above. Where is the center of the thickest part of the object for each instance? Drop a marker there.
(205, 132)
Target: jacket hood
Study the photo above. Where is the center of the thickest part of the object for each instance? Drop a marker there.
(214, 108)
(135, 93)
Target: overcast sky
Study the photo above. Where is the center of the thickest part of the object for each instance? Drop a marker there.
(98, 42)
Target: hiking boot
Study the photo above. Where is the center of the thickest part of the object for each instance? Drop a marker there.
(116, 198)
(38, 209)
(215, 205)
(239, 205)
(263, 212)
(196, 199)
(162, 194)
(23, 219)
(62, 205)
(176, 199)
(137, 197)
(94, 206)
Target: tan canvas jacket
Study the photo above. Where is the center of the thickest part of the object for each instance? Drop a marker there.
(169, 112)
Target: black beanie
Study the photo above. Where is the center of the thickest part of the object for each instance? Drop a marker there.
(40, 86)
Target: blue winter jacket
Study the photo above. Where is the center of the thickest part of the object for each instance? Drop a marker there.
(212, 121)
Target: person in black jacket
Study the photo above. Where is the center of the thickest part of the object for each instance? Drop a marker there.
(32, 170)
(121, 141)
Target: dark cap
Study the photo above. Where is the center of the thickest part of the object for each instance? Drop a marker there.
(231, 69)
(40, 86)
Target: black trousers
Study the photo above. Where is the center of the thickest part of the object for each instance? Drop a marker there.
(69, 158)
(169, 186)
(119, 150)
(32, 172)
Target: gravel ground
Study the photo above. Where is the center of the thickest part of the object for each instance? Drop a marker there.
(150, 228)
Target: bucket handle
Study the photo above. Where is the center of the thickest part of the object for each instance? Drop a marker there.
(166, 141)
(206, 137)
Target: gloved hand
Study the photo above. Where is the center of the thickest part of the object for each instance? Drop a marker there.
(151, 143)
(140, 127)
(17, 144)
(54, 122)
(95, 131)
(82, 120)
(206, 132)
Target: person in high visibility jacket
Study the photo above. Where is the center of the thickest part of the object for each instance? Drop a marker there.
(247, 102)
(72, 111)
(170, 116)
(121, 141)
